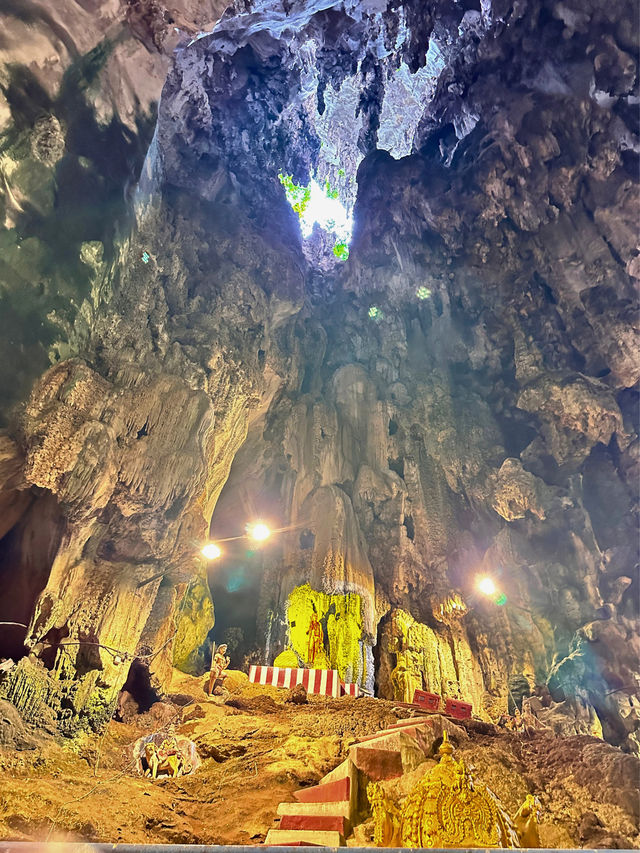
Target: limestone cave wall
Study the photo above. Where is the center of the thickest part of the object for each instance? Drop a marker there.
(458, 398)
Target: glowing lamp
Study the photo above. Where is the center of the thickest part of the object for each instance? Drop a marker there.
(486, 586)
(211, 551)
(259, 531)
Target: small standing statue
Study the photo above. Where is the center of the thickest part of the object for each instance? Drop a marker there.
(406, 677)
(219, 662)
(518, 721)
(315, 645)
(526, 822)
(386, 817)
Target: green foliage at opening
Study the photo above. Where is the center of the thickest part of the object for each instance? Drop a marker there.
(331, 193)
(319, 204)
(423, 292)
(297, 195)
(341, 250)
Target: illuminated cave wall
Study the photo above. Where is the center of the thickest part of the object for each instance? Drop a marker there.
(339, 629)
(438, 660)
(457, 398)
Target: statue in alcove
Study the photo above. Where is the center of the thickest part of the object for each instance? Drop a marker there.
(164, 760)
(315, 644)
(406, 677)
(162, 755)
(325, 632)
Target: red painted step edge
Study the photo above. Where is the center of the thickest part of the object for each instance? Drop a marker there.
(323, 823)
(377, 735)
(330, 792)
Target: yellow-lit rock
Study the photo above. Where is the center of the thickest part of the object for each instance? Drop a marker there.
(287, 658)
(341, 619)
(194, 621)
(440, 661)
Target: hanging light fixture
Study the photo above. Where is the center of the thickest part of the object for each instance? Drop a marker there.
(258, 531)
(486, 585)
(211, 551)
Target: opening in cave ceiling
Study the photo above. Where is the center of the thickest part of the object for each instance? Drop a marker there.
(309, 111)
(328, 199)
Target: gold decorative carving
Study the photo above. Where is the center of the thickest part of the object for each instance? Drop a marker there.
(446, 809)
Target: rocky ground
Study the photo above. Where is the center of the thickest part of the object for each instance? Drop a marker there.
(257, 750)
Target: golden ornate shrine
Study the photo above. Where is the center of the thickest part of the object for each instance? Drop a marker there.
(445, 809)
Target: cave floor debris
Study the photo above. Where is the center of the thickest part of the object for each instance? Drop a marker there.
(257, 750)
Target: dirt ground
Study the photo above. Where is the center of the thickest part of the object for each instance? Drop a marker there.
(257, 750)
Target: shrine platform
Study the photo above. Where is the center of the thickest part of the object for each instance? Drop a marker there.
(323, 682)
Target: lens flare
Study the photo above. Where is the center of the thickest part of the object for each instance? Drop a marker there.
(211, 551)
(258, 531)
(486, 586)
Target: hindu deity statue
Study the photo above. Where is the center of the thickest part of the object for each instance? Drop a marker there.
(315, 644)
(219, 663)
(166, 759)
(406, 677)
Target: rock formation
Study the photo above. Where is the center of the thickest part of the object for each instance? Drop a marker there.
(456, 399)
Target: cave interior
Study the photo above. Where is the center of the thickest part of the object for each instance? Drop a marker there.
(363, 272)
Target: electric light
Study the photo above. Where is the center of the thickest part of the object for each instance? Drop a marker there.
(211, 551)
(258, 531)
(486, 586)
(423, 292)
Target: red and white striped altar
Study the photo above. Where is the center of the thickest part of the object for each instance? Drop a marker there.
(325, 682)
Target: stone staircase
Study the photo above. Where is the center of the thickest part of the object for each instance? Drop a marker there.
(323, 815)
